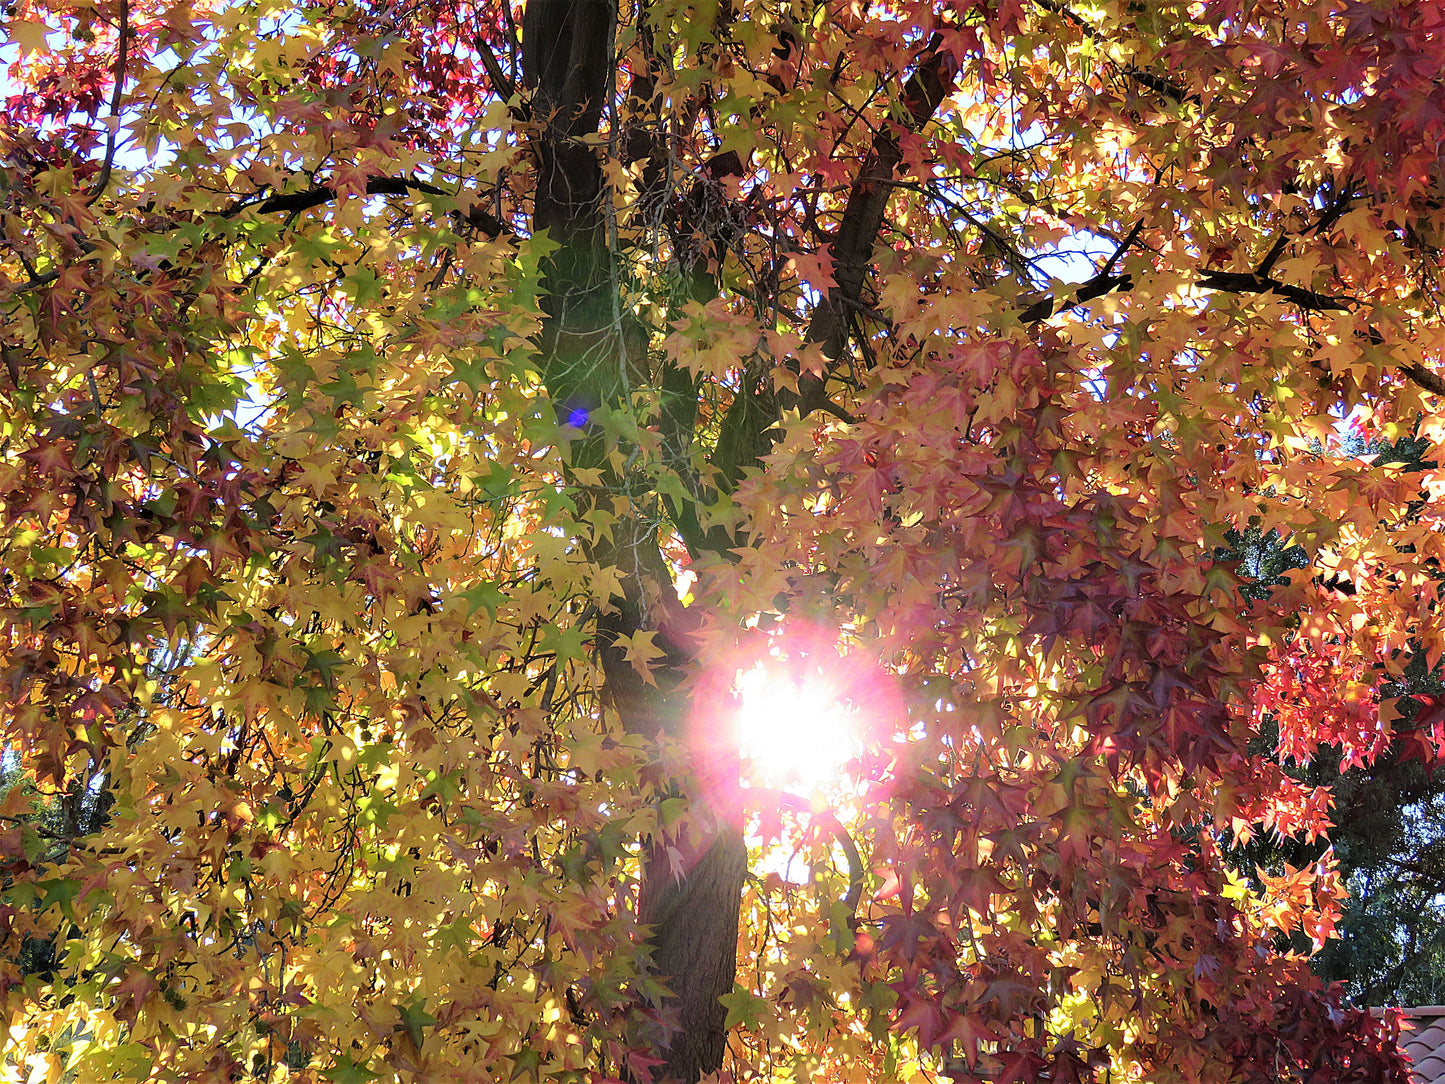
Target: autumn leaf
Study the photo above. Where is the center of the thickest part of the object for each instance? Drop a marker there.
(1050, 399)
(640, 653)
(29, 35)
(347, 1071)
(414, 1020)
(744, 1009)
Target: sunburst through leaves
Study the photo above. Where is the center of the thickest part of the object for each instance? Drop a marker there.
(793, 728)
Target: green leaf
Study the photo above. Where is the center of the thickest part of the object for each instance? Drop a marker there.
(567, 643)
(745, 1007)
(671, 810)
(325, 664)
(346, 1071)
(60, 891)
(31, 843)
(484, 596)
(364, 285)
(526, 1062)
(414, 1018)
(318, 246)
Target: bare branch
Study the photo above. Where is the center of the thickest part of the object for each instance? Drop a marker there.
(1258, 281)
(1104, 281)
(33, 283)
(1119, 250)
(504, 86)
(296, 202)
(1253, 282)
(122, 57)
(1424, 378)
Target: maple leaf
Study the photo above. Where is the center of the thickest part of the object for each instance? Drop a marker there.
(30, 35)
(906, 933)
(1017, 1065)
(132, 992)
(1431, 713)
(348, 1071)
(346, 491)
(414, 1020)
(744, 1008)
(920, 1015)
(640, 652)
(1424, 744)
(971, 1031)
(60, 892)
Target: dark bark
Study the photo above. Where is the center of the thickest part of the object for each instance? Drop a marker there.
(694, 916)
(566, 60)
(692, 909)
(691, 890)
(931, 82)
(745, 431)
(1423, 377)
(306, 199)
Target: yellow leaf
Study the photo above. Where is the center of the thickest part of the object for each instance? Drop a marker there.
(29, 35)
(640, 651)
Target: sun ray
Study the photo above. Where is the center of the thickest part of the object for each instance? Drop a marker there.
(794, 729)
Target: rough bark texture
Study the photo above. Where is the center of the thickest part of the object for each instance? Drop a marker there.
(567, 58)
(690, 893)
(695, 919)
(693, 907)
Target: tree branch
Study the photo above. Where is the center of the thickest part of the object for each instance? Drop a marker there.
(296, 202)
(1337, 207)
(1258, 281)
(122, 58)
(931, 82)
(1266, 265)
(841, 836)
(1149, 80)
(1228, 282)
(1104, 281)
(746, 431)
(1254, 282)
(1424, 378)
(33, 283)
(505, 88)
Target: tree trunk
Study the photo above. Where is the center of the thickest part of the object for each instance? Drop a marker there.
(691, 889)
(691, 904)
(695, 934)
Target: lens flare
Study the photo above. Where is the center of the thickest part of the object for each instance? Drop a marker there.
(794, 731)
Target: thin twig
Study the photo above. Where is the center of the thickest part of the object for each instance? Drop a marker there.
(113, 125)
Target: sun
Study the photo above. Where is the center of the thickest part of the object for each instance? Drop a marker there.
(795, 730)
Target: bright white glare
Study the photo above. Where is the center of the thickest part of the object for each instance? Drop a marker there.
(793, 731)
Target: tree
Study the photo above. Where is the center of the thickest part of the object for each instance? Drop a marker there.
(417, 416)
(1391, 930)
(1386, 808)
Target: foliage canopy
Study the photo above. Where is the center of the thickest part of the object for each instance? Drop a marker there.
(417, 414)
